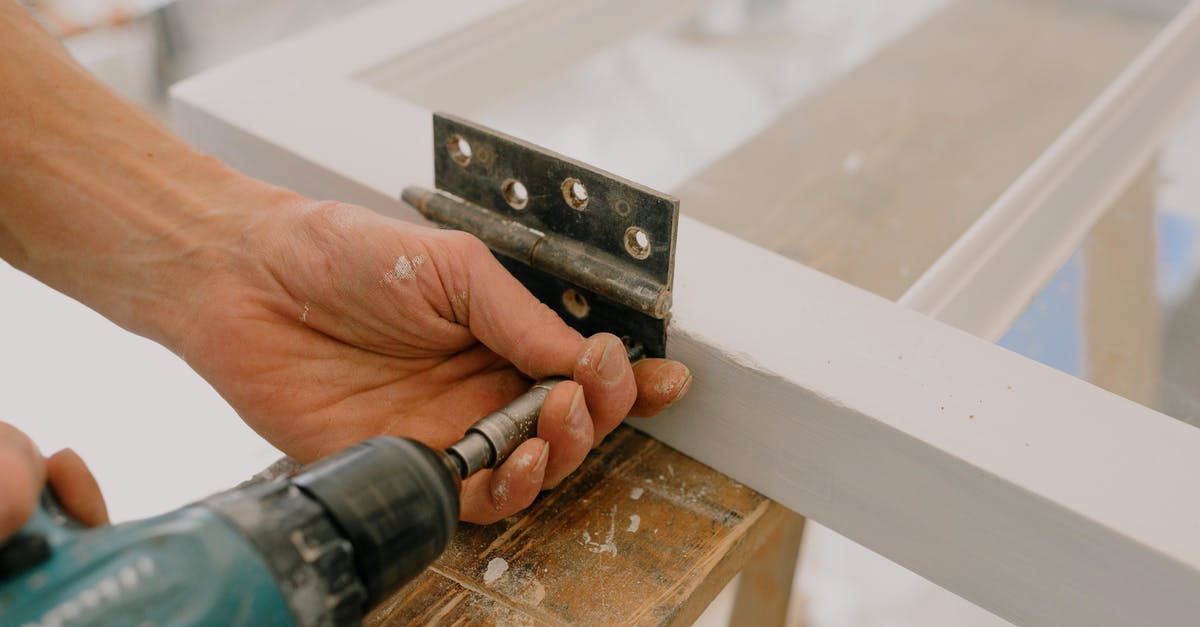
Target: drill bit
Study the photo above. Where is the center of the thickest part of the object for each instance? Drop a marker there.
(494, 437)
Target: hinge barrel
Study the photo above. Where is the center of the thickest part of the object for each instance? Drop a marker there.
(566, 258)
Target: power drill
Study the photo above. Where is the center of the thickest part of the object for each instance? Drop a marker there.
(318, 547)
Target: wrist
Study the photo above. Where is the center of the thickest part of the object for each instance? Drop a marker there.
(144, 231)
(191, 263)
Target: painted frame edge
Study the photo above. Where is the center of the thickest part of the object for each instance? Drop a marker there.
(985, 279)
(875, 442)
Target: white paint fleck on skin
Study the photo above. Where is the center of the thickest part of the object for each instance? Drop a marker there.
(404, 270)
(304, 314)
(495, 570)
(635, 521)
(460, 305)
(636, 493)
(524, 462)
(586, 359)
(500, 493)
(607, 546)
(665, 387)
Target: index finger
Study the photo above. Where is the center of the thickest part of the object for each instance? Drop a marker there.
(503, 315)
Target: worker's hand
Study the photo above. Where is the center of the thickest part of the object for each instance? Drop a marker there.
(23, 472)
(322, 324)
(347, 324)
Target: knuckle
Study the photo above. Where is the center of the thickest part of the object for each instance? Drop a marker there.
(320, 219)
(465, 245)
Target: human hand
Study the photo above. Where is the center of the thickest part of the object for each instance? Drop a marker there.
(322, 324)
(23, 472)
(340, 324)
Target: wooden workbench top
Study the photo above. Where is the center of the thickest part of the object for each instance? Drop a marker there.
(639, 534)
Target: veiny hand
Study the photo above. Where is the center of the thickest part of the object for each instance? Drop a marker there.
(23, 472)
(344, 324)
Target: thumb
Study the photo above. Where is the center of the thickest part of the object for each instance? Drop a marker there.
(22, 473)
(503, 315)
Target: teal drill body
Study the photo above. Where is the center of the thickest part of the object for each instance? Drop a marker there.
(188, 567)
(317, 548)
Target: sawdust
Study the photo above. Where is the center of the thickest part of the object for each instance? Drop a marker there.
(518, 582)
(537, 593)
(635, 521)
(636, 493)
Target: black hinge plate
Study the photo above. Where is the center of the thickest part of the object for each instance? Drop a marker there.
(624, 233)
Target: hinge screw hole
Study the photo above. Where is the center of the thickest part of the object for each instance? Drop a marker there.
(459, 149)
(575, 194)
(637, 243)
(514, 193)
(576, 304)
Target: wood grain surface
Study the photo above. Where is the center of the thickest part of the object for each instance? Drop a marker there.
(641, 534)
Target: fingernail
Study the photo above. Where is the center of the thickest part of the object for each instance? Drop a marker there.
(577, 418)
(541, 461)
(676, 379)
(683, 389)
(612, 364)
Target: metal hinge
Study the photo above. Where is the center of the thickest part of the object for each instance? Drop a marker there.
(598, 249)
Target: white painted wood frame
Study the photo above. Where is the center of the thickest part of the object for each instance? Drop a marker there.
(1038, 496)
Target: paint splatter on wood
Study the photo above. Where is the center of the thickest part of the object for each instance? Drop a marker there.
(608, 546)
(495, 570)
(706, 528)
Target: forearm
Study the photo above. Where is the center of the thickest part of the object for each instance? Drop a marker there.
(100, 202)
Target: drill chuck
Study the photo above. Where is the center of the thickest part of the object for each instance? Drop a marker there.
(348, 530)
(395, 500)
